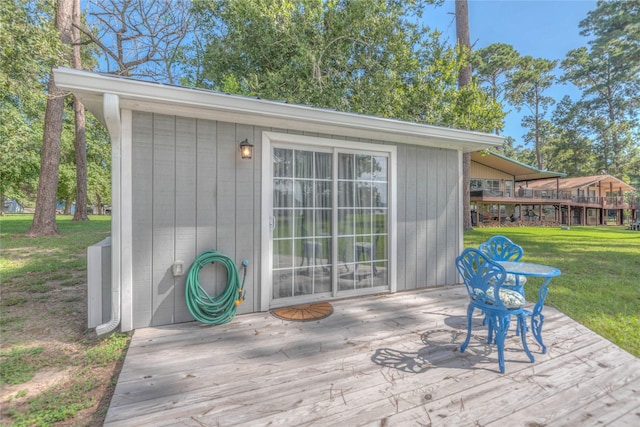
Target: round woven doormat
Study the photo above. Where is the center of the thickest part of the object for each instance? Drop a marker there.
(304, 312)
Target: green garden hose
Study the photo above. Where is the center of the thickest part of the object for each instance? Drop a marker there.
(223, 307)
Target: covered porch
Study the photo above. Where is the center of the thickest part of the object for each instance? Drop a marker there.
(385, 360)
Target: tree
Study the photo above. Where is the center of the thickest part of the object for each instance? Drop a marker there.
(434, 96)
(614, 26)
(80, 213)
(464, 79)
(98, 164)
(25, 27)
(508, 149)
(493, 66)
(571, 150)
(366, 57)
(609, 95)
(44, 219)
(608, 73)
(333, 54)
(142, 39)
(532, 77)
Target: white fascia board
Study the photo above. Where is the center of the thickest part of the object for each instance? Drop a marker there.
(199, 103)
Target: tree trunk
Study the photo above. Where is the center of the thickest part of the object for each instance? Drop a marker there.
(80, 141)
(44, 218)
(81, 163)
(538, 142)
(463, 39)
(67, 206)
(464, 78)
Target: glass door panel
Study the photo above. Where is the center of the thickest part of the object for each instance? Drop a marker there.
(362, 221)
(302, 211)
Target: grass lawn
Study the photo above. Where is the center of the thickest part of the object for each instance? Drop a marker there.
(53, 371)
(600, 282)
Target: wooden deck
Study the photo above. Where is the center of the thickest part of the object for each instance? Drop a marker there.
(389, 360)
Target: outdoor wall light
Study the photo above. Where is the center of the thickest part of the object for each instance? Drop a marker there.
(246, 149)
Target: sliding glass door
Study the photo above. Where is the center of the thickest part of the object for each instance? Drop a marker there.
(329, 222)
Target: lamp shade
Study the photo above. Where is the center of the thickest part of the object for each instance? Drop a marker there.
(246, 149)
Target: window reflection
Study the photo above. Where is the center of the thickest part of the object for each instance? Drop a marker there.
(282, 162)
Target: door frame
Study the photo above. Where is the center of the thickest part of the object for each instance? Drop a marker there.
(268, 139)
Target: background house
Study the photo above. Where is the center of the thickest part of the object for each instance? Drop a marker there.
(595, 200)
(497, 194)
(330, 205)
(504, 191)
(12, 206)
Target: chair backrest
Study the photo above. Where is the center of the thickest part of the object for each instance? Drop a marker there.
(482, 277)
(500, 248)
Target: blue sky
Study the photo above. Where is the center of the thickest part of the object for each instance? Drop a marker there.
(540, 28)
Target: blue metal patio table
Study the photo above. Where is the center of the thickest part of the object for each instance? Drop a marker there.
(533, 270)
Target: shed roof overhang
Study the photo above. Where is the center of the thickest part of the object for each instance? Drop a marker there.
(138, 95)
(519, 171)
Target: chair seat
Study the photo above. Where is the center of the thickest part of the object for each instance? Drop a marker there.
(510, 298)
(511, 281)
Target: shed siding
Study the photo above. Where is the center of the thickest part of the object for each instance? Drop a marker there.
(411, 220)
(401, 220)
(142, 217)
(163, 214)
(451, 216)
(191, 193)
(206, 198)
(430, 257)
(185, 232)
(430, 221)
(422, 203)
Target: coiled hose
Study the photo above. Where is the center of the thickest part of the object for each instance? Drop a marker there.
(223, 307)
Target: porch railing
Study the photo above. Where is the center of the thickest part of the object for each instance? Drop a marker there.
(523, 193)
(526, 193)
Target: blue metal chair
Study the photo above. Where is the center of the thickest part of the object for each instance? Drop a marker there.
(484, 280)
(501, 248)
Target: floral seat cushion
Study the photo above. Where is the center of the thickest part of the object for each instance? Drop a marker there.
(510, 280)
(510, 298)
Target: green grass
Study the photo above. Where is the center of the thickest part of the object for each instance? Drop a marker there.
(58, 404)
(20, 364)
(109, 350)
(47, 277)
(32, 258)
(600, 281)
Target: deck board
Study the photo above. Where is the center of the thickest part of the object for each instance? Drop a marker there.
(388, 360)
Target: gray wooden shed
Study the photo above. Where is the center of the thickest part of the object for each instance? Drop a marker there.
(331, 204)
